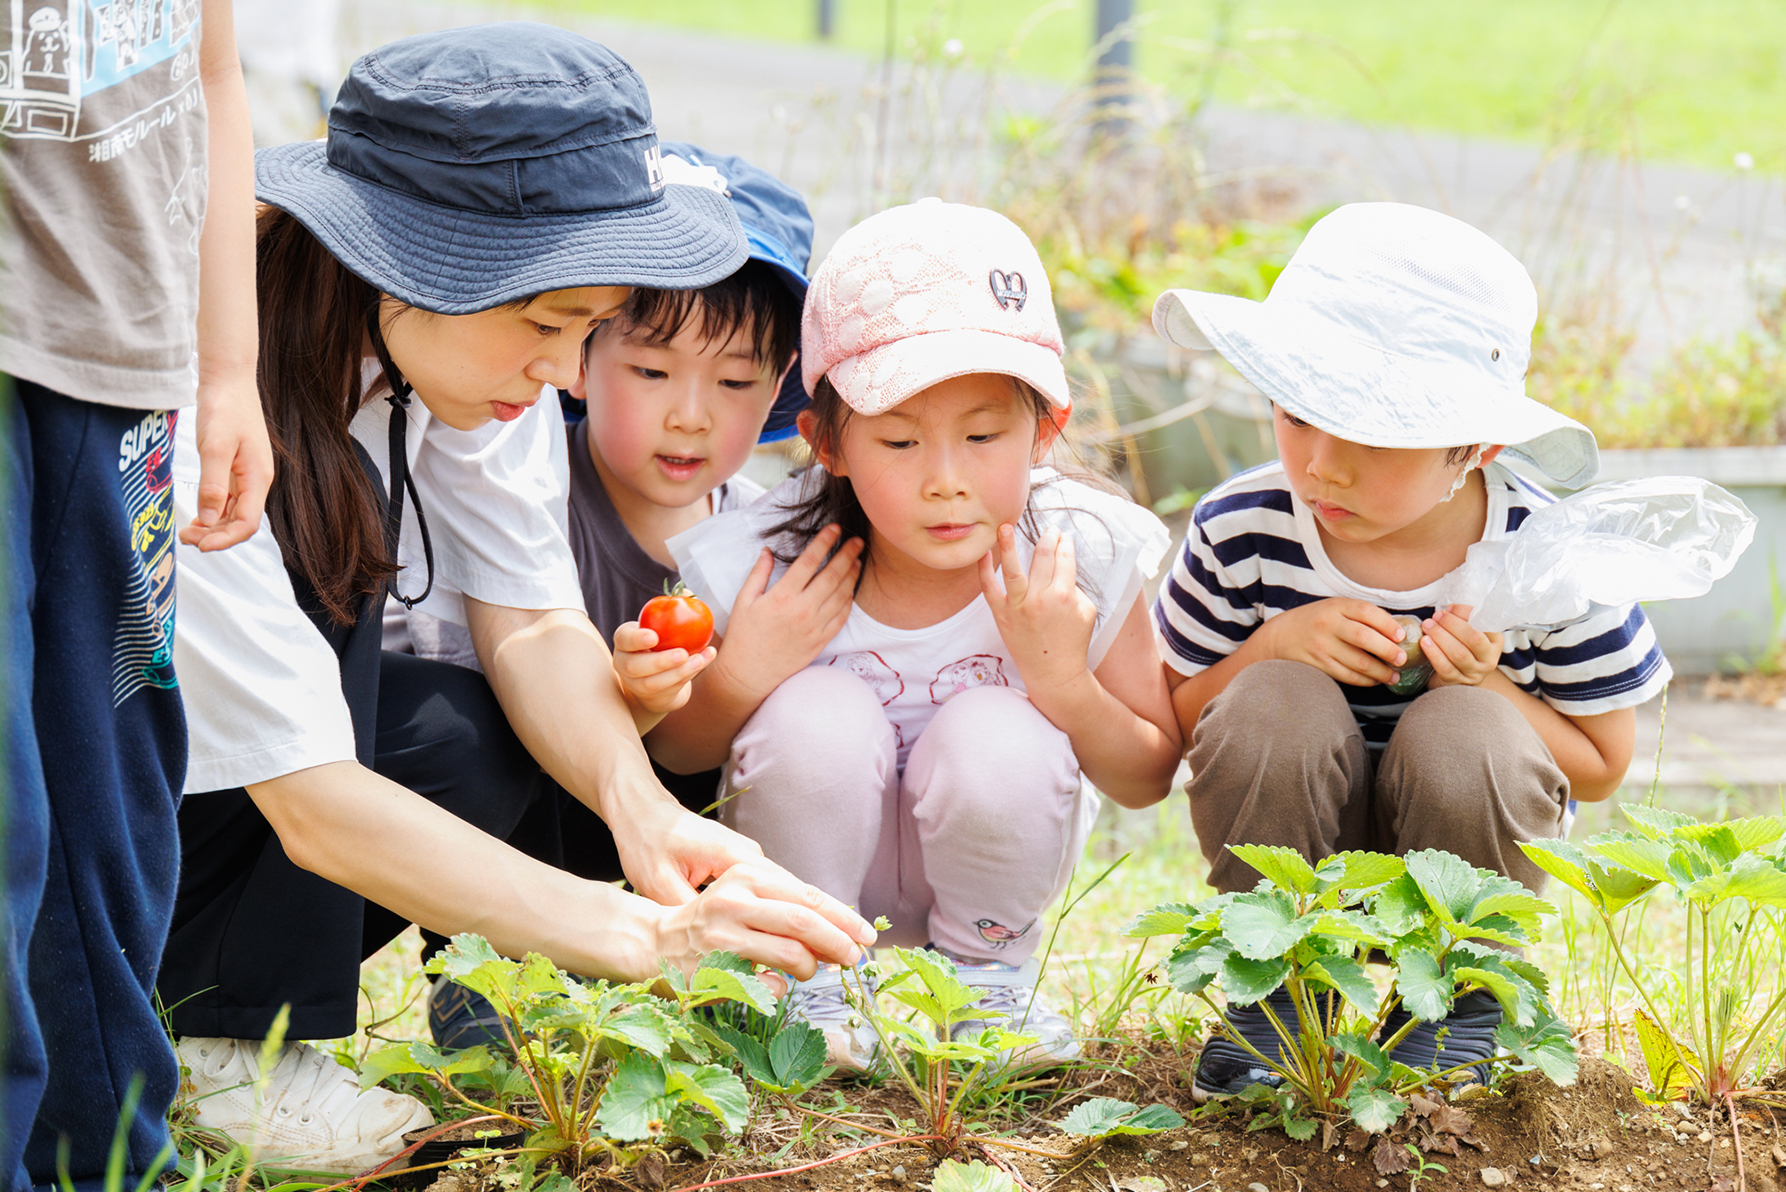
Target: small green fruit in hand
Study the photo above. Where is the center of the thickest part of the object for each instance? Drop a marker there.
(1417, 670)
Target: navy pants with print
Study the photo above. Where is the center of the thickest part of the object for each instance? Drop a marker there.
(95, 743)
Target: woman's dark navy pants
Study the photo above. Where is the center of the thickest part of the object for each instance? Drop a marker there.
(253, 932)
(95, 745)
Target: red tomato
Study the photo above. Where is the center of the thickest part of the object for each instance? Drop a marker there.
(679, 619)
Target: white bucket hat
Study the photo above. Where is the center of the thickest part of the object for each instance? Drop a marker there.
(1393, 326)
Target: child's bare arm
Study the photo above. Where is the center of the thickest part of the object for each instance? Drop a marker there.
(1592, 751)
(1351, 641)
(1119, 718)
(774, 631)
(236, 460)
(1130, 750)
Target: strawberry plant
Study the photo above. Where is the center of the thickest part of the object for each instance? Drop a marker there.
(1445, 928)
(937, 1070)
(594, 1069)
(1728, 999)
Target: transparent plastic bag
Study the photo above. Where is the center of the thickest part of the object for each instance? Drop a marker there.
(1659, 538)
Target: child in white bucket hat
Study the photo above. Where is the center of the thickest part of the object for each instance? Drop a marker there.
(1393, 349)
(920, 756)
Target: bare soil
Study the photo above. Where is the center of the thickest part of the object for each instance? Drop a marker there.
(1527, 1133)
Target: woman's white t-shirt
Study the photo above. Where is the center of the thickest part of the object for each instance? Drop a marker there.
(914, 671)
(262, 688)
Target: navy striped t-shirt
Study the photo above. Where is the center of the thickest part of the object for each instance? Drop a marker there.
(1254, 551)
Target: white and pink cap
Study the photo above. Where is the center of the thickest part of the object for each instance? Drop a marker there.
(918, 294)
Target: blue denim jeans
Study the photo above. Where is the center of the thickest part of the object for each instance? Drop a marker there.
(95, 743)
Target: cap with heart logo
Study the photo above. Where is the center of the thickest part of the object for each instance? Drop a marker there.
(918, 294)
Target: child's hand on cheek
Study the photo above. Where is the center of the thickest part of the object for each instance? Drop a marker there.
(655, 681)
(1461, 655)
(1045, 620)
(1352, 641)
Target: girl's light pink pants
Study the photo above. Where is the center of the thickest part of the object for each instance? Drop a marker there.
(964, 849)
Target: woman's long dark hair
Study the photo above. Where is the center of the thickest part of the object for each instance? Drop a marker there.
(313, 317)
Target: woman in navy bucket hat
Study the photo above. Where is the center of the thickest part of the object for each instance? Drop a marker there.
(485, 196)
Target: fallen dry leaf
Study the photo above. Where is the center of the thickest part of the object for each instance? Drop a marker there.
(1389, 1157)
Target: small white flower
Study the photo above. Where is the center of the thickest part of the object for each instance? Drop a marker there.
(952, 48)
(1682, 202)
(1744, 161)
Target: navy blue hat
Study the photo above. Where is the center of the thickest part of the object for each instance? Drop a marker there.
(778, 229)
(473, 167)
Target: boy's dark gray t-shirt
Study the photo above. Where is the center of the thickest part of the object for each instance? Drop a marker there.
(618, 577)
(615, 573)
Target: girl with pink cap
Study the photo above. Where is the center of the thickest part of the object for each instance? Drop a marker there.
(921, 755)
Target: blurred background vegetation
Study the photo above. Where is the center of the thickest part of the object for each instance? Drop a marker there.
(1694, 81)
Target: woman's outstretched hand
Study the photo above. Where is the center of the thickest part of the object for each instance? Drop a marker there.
(765, 914)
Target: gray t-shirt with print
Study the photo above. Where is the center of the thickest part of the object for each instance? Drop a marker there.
(102, 165)
(616, 574)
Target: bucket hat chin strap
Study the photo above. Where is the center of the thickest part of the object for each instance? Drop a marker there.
(401, 481)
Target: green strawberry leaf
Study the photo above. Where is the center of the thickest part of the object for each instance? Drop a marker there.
(1284, 866)
(976, 1176)
(1374, 1109)
(713, 1088)
(1245, 980)
(797, 1057)
(1424, 991)
(1264, 924)
(1546, 1045)
(1102, 1117)
(1169, 918)
(1654, 823)
(1344, 974)
(1450, 883)
(1400, 906)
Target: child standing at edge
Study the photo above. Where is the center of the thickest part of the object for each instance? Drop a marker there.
(127, 276)
(923, 761)
(1394, 349)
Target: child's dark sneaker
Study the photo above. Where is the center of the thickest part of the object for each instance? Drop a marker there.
(459, 1018)
(1470, 1036)
(1225, 1068)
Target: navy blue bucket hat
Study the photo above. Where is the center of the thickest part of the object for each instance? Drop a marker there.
(778, 230)
(475, 167)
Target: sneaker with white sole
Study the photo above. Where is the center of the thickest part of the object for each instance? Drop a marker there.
(1010, 1002)
(851, 1042)
(310, 1114)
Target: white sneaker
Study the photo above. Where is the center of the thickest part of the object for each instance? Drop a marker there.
(850, 1039)
(1011, 1003)
(311, 1113)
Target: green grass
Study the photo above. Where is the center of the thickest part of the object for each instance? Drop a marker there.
(1689, 82)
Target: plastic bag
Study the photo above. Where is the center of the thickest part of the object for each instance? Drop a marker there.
(1659, 538)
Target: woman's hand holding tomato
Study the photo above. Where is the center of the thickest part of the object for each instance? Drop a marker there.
(657, 656)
